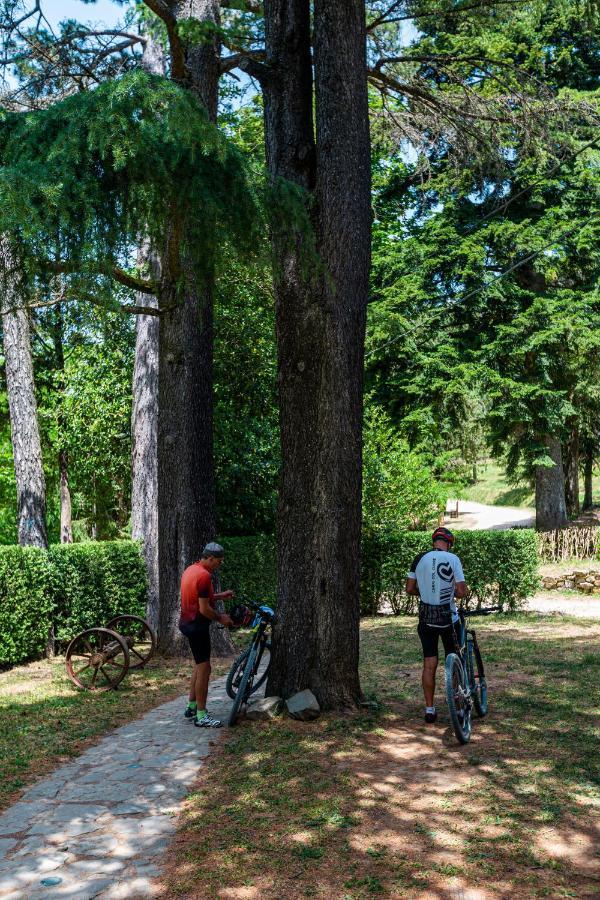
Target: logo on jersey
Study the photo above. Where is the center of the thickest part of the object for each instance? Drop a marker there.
(445, 571)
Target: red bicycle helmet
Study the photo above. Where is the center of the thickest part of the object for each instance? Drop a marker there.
(443, 534)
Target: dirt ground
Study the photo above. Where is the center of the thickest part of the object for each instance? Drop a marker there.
(350, 808)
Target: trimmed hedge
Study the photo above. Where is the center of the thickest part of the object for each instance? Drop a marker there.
(501, 567)
(68, 588)
(250, 567)
(25, 603)
(76, 586)
(94, 581)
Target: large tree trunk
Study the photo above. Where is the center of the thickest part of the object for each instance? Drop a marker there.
(144, 421)
(144, 411)
(27, 449)
(320, 335)
(588, 471)
(186, 490)
(66, 516)
(66, 519)
(550, 507)
(571, 467)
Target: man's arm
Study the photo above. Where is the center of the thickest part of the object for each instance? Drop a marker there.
(412, 588)
(460, 589)
(207, 610)
(224, 595)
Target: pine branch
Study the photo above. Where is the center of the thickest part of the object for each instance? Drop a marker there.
(130, 281)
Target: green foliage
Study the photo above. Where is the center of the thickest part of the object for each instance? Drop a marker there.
(70, 587)
(91, 582)
(500, 567)
(104, 166)
(399, 491)
(250, 568)
(485, 309)
(26, 603)
(246, 419)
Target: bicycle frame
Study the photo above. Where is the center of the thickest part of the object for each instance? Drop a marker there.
(466, 636)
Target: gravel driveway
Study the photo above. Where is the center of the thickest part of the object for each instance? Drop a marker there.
(479, 516)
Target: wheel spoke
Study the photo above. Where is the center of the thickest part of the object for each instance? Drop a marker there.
(83, 668)
(133, 650)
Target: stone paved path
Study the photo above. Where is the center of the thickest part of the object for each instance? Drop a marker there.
(102, 822)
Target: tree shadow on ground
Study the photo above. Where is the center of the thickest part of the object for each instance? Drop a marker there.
(382, 805)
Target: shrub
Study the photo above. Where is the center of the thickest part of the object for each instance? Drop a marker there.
(398, 489)
(26, 603)
(92, 582)
(501, 567)
(250, 567)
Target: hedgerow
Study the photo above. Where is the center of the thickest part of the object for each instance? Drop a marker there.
(26, 603)
(94, 581)
(501, 567)
(76, 586)
(66, 589)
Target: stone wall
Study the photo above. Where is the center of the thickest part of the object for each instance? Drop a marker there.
(586, 582)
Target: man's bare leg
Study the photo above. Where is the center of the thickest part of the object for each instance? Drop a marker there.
(202, 675)
(192, 694)
(428, 679)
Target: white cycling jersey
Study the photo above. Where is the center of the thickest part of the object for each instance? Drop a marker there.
(436, 573)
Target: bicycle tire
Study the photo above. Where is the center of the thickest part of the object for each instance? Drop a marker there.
(457, 698)
(230, 686)
(244, 691)
(478, 680)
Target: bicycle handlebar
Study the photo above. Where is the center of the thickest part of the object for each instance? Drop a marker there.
(483, 612)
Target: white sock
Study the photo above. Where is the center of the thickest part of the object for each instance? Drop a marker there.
(430, 709)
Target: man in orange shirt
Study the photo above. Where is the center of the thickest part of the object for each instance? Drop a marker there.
(197, 612)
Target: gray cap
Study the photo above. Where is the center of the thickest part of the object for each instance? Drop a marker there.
(213, 549)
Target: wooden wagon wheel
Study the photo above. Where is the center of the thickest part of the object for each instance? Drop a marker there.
(139, 637)
(97, 660)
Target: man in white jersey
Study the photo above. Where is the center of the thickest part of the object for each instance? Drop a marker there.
(436, 577)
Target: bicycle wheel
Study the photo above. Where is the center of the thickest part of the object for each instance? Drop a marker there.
(457, 696)
(477, 678)
(237, 671)
(245, 688)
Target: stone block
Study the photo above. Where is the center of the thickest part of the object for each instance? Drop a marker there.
(569, 584)
(304, 706)
(586, 587)
(265, 708)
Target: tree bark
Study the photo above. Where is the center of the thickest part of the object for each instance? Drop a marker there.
(27, 448)
(550, 507)
(186, 490)
(144, 463)
(144, 411)
(320, 324)
(588, 471)
(571, 467)
(66, 519)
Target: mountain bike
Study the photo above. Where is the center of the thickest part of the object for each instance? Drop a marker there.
(244, 678)
(466, 686)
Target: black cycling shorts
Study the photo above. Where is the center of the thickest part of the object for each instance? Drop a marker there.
(430, 637)
(198, 635)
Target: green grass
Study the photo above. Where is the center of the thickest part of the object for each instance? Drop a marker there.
(493, 488)
(377, 804)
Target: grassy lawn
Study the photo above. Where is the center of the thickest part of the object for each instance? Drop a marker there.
(493, 489)
(379, 804)
(44, 720)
